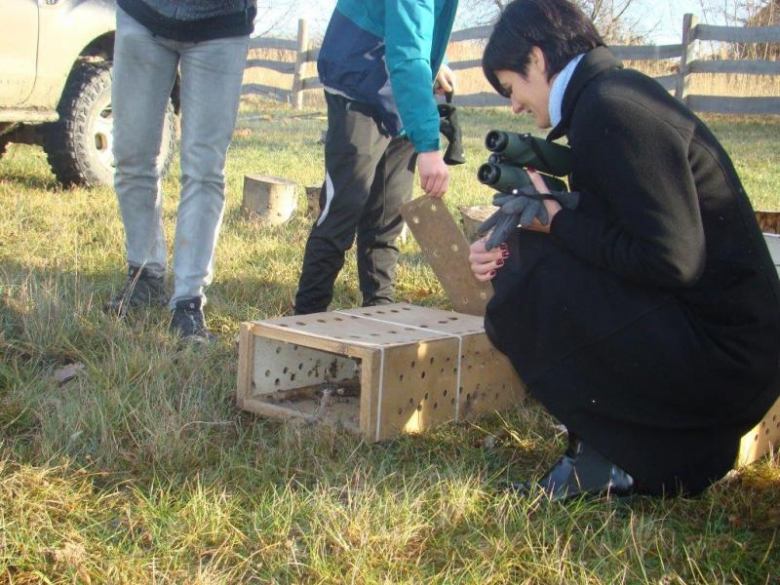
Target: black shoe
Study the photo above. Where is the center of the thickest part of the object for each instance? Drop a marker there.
(581, 472)
(188, 321)
(141, 290)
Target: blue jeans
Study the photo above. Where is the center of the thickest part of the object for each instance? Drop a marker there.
(145, 68)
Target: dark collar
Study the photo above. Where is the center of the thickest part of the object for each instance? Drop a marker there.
(595, 62)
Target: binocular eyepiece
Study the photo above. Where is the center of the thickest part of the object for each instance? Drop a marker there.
(525, 150)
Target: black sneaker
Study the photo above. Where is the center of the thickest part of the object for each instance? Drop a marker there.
(188, 321)
(142, 290)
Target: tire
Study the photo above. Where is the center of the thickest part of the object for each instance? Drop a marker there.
(79, 145)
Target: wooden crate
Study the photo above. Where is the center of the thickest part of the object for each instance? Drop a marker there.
(764, 437)
(378, 371)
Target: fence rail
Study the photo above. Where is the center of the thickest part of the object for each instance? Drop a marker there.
(302, 58)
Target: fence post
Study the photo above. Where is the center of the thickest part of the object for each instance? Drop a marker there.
(686, 56)
(300, 64)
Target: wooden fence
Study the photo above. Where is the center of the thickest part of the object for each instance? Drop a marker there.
(304, 75)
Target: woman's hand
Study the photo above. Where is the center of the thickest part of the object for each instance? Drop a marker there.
(551, 205)
(484, 263)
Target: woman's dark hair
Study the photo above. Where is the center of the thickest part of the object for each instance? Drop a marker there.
(558, 27)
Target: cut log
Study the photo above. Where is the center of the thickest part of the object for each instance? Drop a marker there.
(269, 200)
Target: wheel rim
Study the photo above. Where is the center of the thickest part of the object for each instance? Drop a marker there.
(103, 133)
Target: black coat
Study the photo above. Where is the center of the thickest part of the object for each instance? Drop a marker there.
(648, 321)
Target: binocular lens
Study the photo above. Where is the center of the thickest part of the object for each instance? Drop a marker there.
(488, 174)
(496, 141)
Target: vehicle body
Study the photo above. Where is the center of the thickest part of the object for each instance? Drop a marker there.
(55, 85)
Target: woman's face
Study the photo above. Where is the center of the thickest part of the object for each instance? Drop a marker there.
(530, 93)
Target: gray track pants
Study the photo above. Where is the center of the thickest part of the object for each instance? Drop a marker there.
(145, 68)
(369, 175)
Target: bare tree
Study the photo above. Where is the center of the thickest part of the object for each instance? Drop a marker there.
(611, 17)
(743, 13)
(273, 15)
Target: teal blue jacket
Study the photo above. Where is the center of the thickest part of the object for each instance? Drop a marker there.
(387, 53)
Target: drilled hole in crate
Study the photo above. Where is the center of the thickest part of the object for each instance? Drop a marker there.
(426, 396)
(452, 401)
(405, 309)
(267, 373)
(321, 321)
(401, 378)
(413, 364)
(292, 377)
(444, 392)
(380, 312)
(496, 396)
(419, 407)
(432, 360)
(393, 332)
(400, 411)
(424, 326)
(455, 371)
(435, 405)
(300, 366)
(393, 310)
(278, 350)
(283, 325)
(443, 322)
(284, 370)
(453, 318)
(301, 323)
(422, 375)
(465, 300)
(252, 385)
(276, 382)
(441, 371)
(411, 402)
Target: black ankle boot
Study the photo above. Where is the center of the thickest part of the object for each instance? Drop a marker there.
(581, 472)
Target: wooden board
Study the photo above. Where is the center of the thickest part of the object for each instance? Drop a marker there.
(446, 249)
(762, 439)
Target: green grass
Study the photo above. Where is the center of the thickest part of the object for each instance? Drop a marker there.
(142, 470)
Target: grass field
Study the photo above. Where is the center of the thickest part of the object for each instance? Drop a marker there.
(141, 469)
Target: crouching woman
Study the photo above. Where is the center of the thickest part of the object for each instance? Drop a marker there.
(647, 319)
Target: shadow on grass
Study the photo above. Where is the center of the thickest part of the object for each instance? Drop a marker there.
(28, 181)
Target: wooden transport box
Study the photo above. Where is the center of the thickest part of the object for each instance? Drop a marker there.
(378, 371)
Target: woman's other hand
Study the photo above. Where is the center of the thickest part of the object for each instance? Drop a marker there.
(485, 263)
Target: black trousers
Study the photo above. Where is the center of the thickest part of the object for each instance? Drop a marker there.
(369, 175)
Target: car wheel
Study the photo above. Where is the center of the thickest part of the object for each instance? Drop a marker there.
(79, 146)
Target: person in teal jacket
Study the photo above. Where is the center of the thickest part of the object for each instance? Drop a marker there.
(378, 64)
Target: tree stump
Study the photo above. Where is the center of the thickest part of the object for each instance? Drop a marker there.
(269, 200)
(472, 218)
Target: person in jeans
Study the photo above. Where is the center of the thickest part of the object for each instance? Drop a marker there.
(378, 63)
(207, 42)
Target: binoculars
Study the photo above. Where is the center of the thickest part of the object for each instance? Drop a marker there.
(512, 153)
